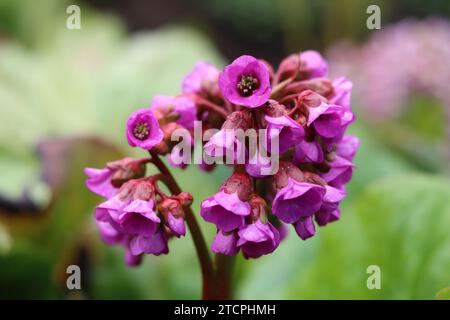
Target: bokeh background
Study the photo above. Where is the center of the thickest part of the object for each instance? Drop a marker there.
(65, 96)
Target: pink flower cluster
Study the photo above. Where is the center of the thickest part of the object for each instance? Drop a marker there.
(296, 105)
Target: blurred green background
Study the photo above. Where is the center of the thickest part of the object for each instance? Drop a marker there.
(65, 96)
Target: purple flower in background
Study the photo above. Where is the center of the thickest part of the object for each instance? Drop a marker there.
(258, 239)
(225, 210)
(340, 172)
(225, 243)
(305, 228)
(296, 200)
(246, 82)
(286, 130)
(315, 64)
(143, 130)
(329, 121)
(201, 77)
(181, 108)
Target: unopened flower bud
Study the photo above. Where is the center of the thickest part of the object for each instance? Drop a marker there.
(241, 183)
(238, 120)
(275, 109)
(287, 170)
(144, 190)
(310, 99)
(126, 169)
(185, 199)
(258, 208)
(289, 67)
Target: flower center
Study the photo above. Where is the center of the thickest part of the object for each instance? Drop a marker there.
(141, 131)
(247, 85)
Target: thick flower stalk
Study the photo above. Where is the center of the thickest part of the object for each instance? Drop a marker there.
(282, 132)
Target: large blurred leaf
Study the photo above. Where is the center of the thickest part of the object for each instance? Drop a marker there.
(399, 223)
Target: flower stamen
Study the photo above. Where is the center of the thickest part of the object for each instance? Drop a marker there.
(141, 131)
(247, 85)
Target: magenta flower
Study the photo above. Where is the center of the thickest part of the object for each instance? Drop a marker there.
(132, 214)
(143, 130)
(342, 93)
(99, 181)
(258, 239)
(225, 243)
(105, 182)
(347, 147)
(259, 165)
(181, 108)
(330, 205)
(330, 121)
(296, 200)
(286, 130)
(132, 260)
(225, 210)
(305, 228)
(202, 77)
(246, 82)
(226, 142)
(155, 244)
(340, 172)
(308, 152)
(315, 64)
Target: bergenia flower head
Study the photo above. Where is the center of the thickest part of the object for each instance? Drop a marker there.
(245, 82)
(297, 181)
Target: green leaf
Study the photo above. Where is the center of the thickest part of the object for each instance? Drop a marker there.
(399, 223)
(443, 294)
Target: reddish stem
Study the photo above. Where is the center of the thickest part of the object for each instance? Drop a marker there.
(199, 242)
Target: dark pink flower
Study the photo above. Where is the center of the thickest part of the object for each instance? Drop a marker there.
(202, 77)
(143, 130)
(296, 200)
(225, 210)
(330, 204)
(257, 239)
(181, 108)
(246, 82)
(346, 148)
(315, 64)
(329, 121)
(305, 228)
(99, 182)
(342, 93)
(225, 243)
(307, 151)
(286, 130)
(105, 182)
(340, 172)
(155, 244)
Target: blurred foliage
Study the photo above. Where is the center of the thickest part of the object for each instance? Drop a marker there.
(60, 88)
(384, 226)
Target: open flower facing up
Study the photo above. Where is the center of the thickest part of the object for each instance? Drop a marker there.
(300, 118)
(143, 130)
(245, 82)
